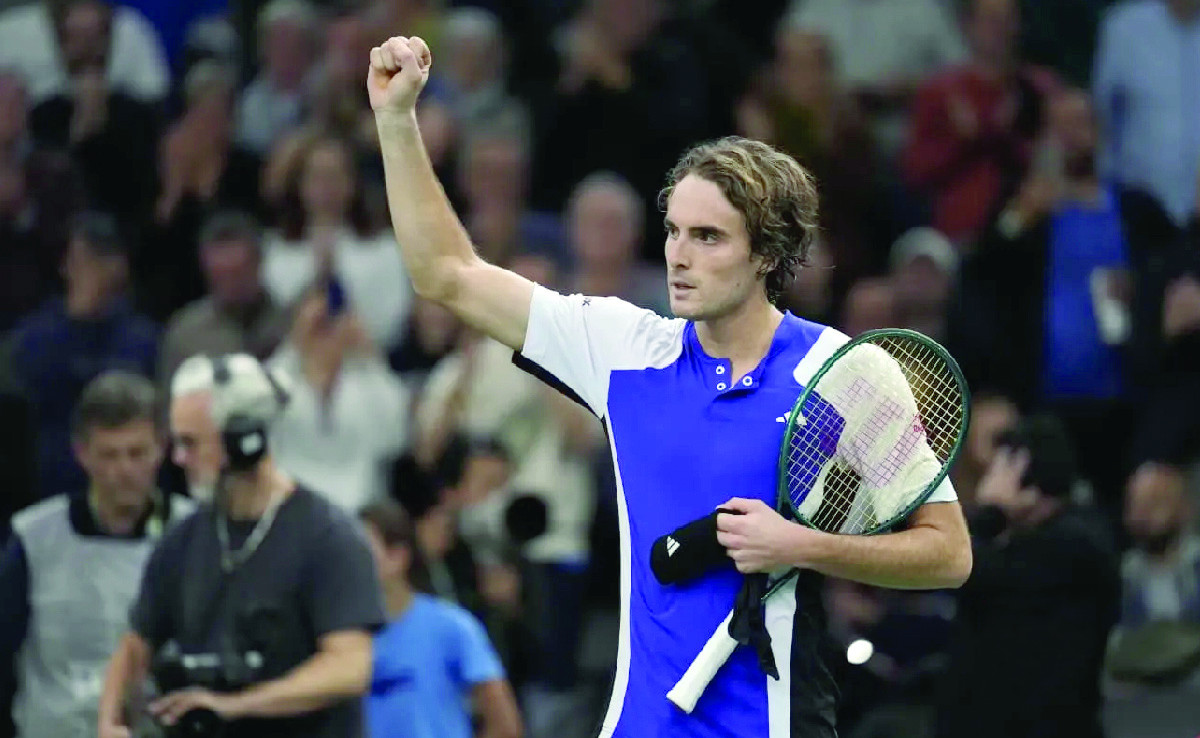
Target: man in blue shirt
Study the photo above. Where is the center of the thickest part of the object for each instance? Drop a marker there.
(432, 656)
(1044, 283)
(695, 409)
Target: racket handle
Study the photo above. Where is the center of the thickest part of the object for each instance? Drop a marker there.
(705, 666)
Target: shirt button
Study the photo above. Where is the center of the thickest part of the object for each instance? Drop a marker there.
(721, 386)
(747, 381)
(720, 369)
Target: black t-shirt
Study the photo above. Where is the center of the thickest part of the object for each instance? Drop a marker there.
(1032, 627)
(311, 575)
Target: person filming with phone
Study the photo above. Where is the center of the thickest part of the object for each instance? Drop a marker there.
(348, 416)
(1049, 281)
(255, 615)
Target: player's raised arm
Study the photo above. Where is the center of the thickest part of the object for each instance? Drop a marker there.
(435, 247)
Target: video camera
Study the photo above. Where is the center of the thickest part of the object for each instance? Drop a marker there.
(173, 670)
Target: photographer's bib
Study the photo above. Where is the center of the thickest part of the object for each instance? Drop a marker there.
(80, 591)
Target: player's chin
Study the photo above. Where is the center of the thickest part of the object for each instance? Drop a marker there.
(687, 308)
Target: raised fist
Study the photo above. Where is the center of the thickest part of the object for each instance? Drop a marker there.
(398, 72)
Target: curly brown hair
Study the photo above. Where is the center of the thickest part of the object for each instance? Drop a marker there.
(775, 195)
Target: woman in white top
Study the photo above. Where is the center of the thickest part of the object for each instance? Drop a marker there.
(348, 418)
(325, 228)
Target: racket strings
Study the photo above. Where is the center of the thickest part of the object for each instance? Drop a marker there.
(875, 431)
(938, 393)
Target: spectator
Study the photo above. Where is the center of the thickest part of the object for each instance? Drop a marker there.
(265, 565)
(58, 350)
(336, 109)
(924, 270)
(606, 221)
(811, 293)
(448, 568)
(1034, 616)
(26, 262)
(176, 26)
(887, 688)
(274, 102)
(630, 88)
(202, 170)
(237, 315)
(1167, 342)
(69, 575)
(348, 419)
(325, 229)
(109, 132)
(40, 191)
(415, 17)
(1147, 55)
(870, 304)
(200, 158)
(480, 393)
(473, 81)
(1156, 639)
(431, 335)
(339, 107)
(973, 126)
(432, 655)
(909, 41)
(475, 496)
(49, 39)
(1047, 285)
(494, 179)
(460, 549)
(802, 106)
(991, 415)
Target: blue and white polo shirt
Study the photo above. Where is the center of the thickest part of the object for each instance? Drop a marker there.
(686, 436)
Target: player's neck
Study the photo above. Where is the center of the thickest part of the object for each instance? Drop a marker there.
(743, 336)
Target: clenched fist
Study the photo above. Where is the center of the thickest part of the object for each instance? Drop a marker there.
(398, 72)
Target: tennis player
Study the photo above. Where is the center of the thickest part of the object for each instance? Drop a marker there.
(695, 409)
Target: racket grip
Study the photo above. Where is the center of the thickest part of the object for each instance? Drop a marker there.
(705, 666)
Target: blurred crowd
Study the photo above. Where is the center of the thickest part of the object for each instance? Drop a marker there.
(1019, 179)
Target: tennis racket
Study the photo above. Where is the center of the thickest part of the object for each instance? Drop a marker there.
(873, 434)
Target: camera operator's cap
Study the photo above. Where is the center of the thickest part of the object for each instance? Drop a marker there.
(925, 242)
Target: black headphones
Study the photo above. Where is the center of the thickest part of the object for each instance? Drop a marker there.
(244, 437)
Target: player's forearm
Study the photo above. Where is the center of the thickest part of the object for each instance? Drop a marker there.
(433, 243)
(327, 678)
(128, 666)
(918, 558)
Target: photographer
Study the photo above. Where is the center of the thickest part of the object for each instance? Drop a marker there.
(70, 571)
(1034, 617)
(255, 614)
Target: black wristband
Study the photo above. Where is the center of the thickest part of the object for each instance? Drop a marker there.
(689, 551)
